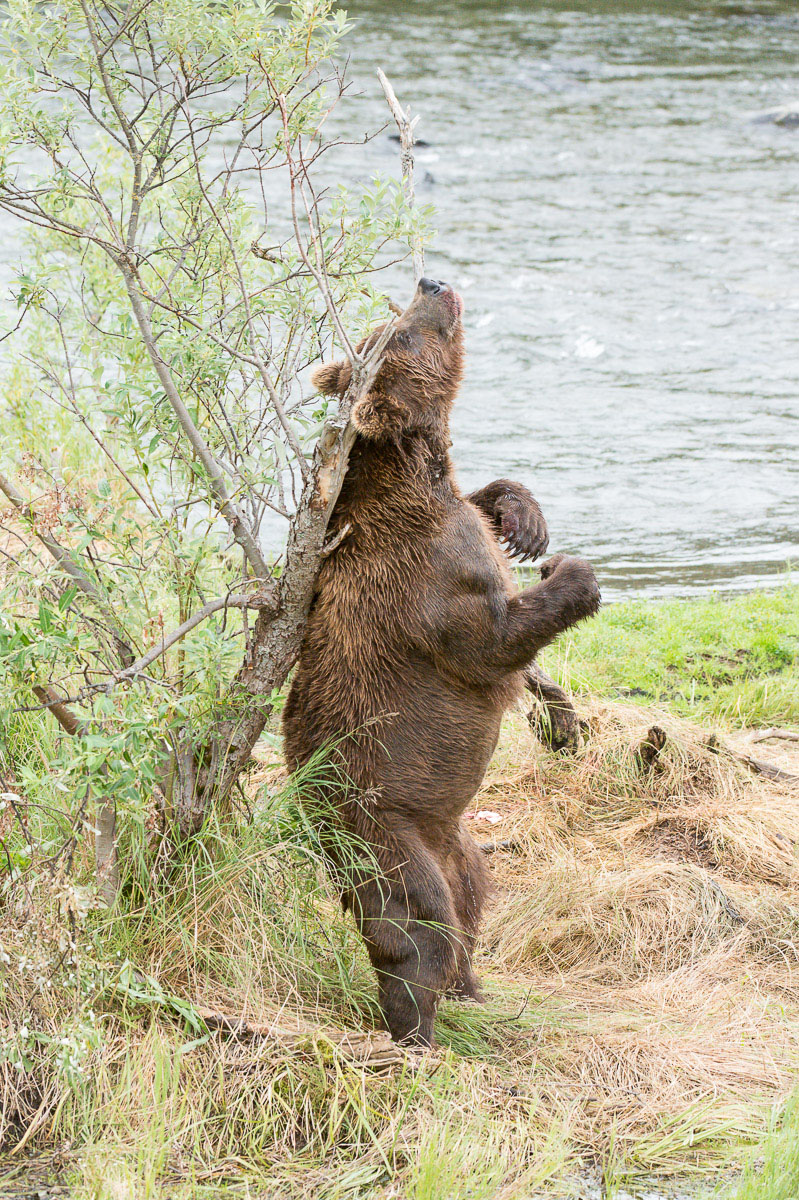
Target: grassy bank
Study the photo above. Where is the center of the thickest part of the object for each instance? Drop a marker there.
(640, 960)
(733, 661)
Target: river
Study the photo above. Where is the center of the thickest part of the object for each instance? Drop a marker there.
(626, 239)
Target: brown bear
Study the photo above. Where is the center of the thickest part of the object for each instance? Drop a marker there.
(416, 644)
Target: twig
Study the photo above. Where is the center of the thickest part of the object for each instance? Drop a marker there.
(335, 542)
(754, 764)
(406, 127)
(726, 903)
(264, 599)
(785, 735)
(507, 844)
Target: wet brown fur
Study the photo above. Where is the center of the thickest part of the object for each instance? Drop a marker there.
(414, 648)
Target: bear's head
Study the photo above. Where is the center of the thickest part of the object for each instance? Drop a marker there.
(420, 373)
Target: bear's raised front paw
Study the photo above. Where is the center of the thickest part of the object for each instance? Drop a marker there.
(577, 585)
(551, 565)
(515, 517)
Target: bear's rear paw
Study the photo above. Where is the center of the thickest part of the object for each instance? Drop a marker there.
(467, 989)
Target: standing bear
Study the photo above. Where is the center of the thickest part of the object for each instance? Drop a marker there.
(417, 642)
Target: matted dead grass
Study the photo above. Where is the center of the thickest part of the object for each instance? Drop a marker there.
(657, 910)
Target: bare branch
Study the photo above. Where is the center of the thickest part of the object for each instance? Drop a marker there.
(74, 726)
(264, 600)
(406, 128)
(239, 526)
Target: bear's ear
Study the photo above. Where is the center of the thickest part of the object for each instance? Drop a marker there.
(332, 379)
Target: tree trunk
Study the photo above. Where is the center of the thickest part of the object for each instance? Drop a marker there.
(278, 632)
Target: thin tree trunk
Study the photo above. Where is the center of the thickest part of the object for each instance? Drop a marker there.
(105, 835)
(105, 850)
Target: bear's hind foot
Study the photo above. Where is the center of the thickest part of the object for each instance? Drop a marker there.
(466, 989)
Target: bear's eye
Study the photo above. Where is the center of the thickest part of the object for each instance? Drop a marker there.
(408, 341)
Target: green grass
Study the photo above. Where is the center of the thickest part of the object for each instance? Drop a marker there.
(773, 1172)
(731, 660)
(245, 916)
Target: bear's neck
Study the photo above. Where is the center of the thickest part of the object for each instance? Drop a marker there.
(406, 486)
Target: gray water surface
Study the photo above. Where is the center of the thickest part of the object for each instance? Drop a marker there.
(626, 240)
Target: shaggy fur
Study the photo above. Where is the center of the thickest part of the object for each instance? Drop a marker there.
(414, 648)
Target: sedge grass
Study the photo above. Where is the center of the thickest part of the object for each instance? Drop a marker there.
(728, 659)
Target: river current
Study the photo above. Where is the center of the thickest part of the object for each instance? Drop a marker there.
(626, 238)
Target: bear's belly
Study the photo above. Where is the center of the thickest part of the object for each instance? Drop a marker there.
(421, 747)
(438, 745)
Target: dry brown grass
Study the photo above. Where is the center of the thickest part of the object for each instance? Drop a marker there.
(658, 911)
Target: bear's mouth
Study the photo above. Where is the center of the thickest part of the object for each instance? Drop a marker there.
(454, 303)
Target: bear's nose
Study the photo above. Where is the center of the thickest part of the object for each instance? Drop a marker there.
(432, 287)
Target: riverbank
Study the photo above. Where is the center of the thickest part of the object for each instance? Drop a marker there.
(640, 961)
(730, 659)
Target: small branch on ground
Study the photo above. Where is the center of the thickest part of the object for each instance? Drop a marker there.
(375, 1050)
(754, 764)
(507, 844)
(784, 735)
(768, 769)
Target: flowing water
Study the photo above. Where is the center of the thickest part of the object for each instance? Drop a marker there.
(626, 239)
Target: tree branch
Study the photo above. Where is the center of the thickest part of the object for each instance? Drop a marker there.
(261, 600)
(406, 128)
(105, 833)
(68, 565)
(239, 526)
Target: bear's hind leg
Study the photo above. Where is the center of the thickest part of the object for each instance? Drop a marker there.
(408, 921)
(558, 726)
(471, 885)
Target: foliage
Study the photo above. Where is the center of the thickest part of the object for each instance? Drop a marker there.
(157, 436)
